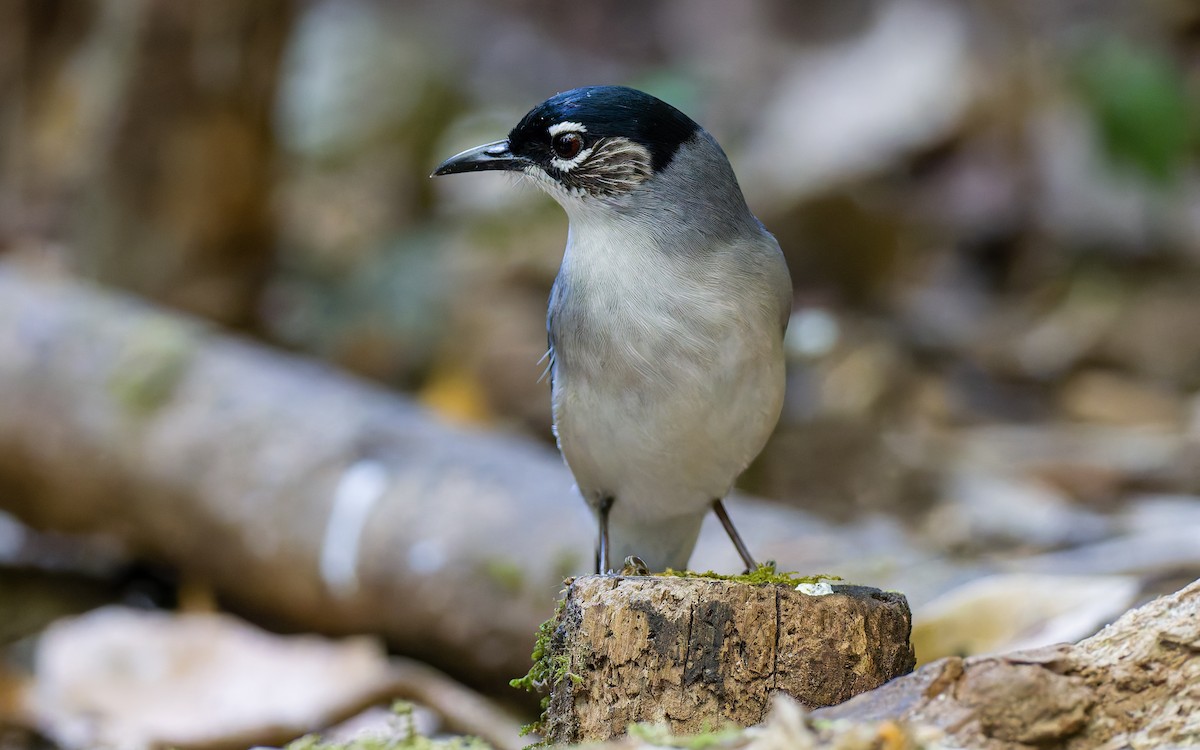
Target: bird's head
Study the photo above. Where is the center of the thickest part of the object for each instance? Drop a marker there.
(587, 144)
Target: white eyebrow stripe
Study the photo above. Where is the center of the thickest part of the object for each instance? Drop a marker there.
(567, 125)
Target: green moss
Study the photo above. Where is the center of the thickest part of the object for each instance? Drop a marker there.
(150, 365)
(550, 666)
(661, 736)
(548, 669)
(764, 575)
(506, 574)
(419, 742)
(410, 739)
(565, 562)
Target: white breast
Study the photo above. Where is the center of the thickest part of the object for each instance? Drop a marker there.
(668, 371)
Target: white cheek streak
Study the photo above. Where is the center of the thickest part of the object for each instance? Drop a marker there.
(552, 186)
(573, 127)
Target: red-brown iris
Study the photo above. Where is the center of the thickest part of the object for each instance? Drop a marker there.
(567, 145)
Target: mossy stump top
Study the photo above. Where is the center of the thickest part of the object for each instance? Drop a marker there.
(697, 653)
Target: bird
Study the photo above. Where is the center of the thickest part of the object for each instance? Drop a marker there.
(666, 320)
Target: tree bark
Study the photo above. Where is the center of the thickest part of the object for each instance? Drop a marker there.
(138, 133)
(696, 653)
(178, 205)
(1135, 684)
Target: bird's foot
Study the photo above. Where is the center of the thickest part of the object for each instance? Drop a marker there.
(634, 566)
(767, 565)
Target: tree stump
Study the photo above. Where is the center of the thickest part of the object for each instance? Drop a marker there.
(697, 653)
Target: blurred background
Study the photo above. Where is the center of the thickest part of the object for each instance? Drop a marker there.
(255, 361)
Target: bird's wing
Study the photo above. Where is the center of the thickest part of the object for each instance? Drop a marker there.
(548, 358)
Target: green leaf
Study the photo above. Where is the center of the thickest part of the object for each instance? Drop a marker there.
(1139, 100)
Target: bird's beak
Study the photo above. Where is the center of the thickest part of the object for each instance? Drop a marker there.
(488, 156)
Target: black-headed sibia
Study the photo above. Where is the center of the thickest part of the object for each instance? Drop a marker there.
(666, 320)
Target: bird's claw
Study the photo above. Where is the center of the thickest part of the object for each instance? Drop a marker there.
(634, 566)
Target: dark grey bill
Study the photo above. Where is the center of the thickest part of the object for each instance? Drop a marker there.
(488, 156)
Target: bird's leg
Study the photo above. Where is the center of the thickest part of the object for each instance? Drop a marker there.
(603, 548)
(734, 536)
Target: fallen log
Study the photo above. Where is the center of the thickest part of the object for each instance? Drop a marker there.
(1134, 684)
(696, 653)
(306, 498)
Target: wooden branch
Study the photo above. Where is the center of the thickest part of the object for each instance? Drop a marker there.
(695, 653)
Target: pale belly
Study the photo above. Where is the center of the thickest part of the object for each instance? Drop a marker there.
(668, 376)
(666, 443)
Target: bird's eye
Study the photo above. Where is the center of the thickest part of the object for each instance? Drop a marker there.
(567, 145)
